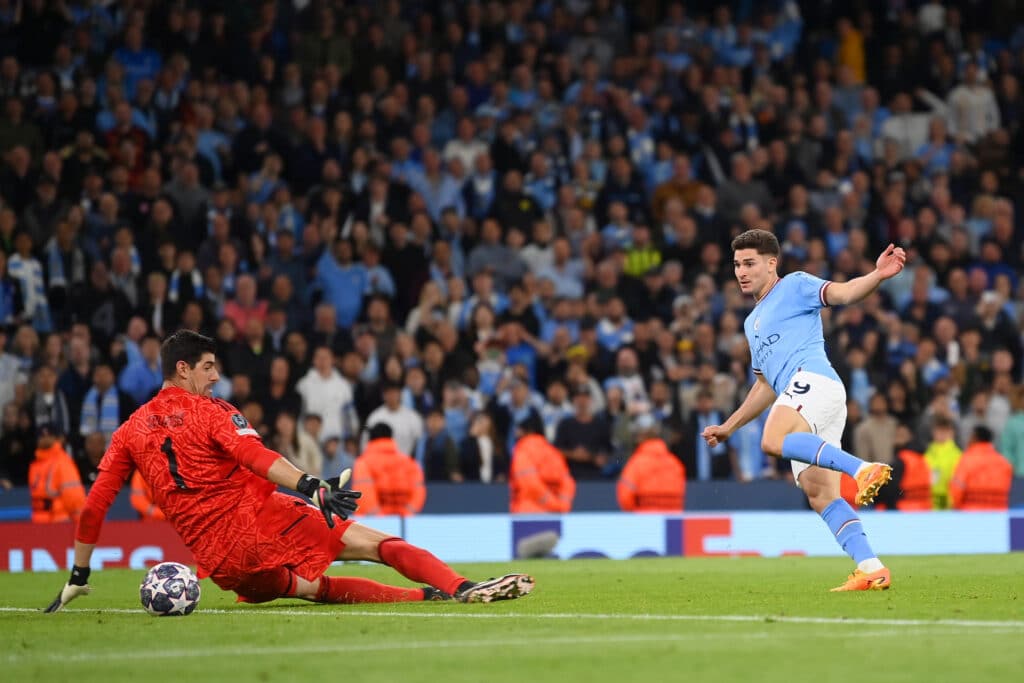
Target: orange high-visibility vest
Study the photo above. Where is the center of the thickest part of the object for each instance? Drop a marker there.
(916, 484)
(539, 479)
(653, 480)
(981, 480)
(142, 500)
(56, 489)
(391, 481)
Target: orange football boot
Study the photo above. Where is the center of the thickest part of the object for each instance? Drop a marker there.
(863, 581)
(869, 480)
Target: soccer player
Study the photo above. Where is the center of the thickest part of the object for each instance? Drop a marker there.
(216, 483)
(808, 400)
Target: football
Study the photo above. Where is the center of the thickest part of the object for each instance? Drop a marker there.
(169, 590)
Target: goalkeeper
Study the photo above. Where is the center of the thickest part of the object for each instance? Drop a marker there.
(216, 483)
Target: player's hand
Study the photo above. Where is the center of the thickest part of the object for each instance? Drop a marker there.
(715, 434)
(891, 261)
(77, 585)
(330, 497)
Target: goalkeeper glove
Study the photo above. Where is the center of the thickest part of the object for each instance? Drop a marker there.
(329, 496)
(78, 584)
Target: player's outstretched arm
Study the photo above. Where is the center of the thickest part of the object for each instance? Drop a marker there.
(78, 583)
(888, 265)
(760, 396)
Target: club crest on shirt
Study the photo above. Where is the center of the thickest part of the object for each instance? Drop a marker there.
(239, 421)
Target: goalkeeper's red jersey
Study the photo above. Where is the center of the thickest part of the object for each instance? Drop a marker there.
(200, 457)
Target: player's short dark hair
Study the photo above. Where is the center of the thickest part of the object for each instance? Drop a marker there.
(762, 241)
(184, 345)
(981, 434)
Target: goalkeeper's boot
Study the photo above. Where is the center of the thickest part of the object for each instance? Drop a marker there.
(870, 479)
(431, 594)
(508, 587)
(878, 580)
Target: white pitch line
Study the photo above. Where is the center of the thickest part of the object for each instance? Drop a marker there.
(751, 618)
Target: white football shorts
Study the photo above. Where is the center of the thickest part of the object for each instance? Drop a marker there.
(822, 402)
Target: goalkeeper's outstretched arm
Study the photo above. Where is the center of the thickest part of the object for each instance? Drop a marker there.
(329, 496)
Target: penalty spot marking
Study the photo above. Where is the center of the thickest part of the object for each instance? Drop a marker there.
(751, 618)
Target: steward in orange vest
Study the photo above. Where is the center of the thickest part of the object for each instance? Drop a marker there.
(915, 484)
(982, 478)
(653, 480)
(142, 500)
(539, 479)
(54, 483)
(390, 480)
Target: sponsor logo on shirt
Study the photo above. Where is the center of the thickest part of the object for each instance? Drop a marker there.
(763, 347)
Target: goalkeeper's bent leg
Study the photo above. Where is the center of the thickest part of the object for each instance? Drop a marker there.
(346, 590)
(282, 582)
(419, 565)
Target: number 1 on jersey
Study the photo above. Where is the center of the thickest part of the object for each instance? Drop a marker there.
(172, 463)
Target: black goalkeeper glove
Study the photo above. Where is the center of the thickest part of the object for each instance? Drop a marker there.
(78, 584)
(329, 496)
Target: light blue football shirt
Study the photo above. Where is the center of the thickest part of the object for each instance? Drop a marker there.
(784, 331)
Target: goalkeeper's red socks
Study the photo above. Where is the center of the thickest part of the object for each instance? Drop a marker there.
(416, 564)
(347, 590)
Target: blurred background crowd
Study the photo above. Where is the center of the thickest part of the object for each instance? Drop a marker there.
(460, 217)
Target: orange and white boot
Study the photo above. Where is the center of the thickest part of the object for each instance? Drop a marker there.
(870, 479)
(878, 580)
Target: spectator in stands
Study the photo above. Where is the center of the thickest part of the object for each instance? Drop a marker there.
(973, 110)
(16, 446)
(539, 479)
(142, 376)
(1011, 440)
(982, 479)
(875, 437)
(942, 456)
(245, 305)
(104, 407)
(703, 462)
(325, 392)
(653, 480)
(514, 403)
(481, 454)
(28, 272)
(742, 189)
(390, 480)
(326, 152)
(584, 438)
(437, 453)
(49, 404)
(492, 256)
(405, 423)
(279, 392)
(341, 281)
(291, 441)
(56, 489)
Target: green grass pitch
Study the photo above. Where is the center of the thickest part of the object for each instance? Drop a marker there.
(750, 619)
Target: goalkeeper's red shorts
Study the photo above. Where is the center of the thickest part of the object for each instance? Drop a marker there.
(289, 534)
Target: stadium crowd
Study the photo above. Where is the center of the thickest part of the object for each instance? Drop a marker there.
(459, 218)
